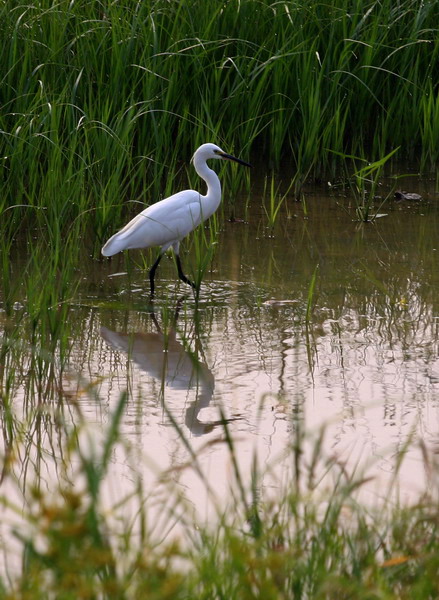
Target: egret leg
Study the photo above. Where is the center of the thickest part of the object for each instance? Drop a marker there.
(152, 271)
(181, 274)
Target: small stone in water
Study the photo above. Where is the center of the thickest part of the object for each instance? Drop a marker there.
(399, 195)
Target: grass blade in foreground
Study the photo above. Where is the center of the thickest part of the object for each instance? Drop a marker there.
(314, 542)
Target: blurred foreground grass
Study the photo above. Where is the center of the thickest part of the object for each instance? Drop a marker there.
(310, 541)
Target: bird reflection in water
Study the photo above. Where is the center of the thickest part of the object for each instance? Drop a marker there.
(164, 357)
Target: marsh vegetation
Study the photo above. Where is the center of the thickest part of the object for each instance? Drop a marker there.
(304, 314)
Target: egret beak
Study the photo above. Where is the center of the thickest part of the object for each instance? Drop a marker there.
(230, 157)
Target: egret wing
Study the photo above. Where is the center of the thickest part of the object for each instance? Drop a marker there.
(160, 224)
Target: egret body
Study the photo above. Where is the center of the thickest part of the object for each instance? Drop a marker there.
(167, 222)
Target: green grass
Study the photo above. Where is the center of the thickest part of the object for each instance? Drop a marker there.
(308, 540)
(104, 102)
(275, 200)
(364, 185)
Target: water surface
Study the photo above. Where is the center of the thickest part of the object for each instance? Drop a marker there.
(320, 321)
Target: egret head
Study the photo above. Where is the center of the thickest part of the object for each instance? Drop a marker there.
(208, 151)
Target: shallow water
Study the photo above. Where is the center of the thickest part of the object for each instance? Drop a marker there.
(263, 350)
(364, 362)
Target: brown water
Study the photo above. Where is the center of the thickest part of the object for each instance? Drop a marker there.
(357, 354)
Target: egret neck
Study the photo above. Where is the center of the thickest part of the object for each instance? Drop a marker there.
(211, 201)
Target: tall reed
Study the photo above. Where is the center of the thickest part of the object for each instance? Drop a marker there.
(103, 102)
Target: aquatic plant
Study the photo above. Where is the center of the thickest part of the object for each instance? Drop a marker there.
(101, 101)
(103, 104)
(261, 545)
(275, 199)
(202, 247)
(364, 184)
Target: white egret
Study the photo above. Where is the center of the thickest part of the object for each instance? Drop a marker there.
(167, 222)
